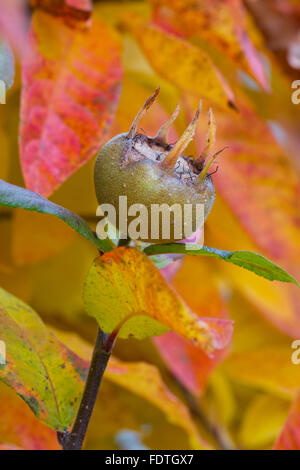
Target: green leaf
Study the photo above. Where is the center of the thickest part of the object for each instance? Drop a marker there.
(14, 196)
(245, 259)
(46, 374)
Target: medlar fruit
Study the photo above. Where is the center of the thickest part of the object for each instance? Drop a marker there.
(151, 172)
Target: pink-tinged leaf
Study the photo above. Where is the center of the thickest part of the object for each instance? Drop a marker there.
(189, 364)
(71, 88)
(289, 438)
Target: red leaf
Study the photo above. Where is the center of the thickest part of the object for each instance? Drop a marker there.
(71, 87)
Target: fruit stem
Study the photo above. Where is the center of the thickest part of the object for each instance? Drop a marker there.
(182, 143)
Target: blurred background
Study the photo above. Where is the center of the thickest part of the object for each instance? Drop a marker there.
(241, 58)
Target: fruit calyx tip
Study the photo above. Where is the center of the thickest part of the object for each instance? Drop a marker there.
(148, 103)
(177, 150)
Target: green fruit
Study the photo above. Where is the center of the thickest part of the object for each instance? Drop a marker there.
(150, 171)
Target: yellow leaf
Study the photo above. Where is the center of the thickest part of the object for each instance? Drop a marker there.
(269, 369)
(181, 63)
(252, 330)
(262, 422)
(222, 399)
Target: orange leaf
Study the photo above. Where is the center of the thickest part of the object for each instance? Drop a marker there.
(125, 292)
(259, 184)
(257, 170)
(9, 447)
(262, 174)
(20, 427)
(219, 22)
(71, 83)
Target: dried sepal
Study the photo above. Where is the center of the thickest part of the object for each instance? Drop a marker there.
(148, 103)
(162, 135)
(205, 169)
(182, 143)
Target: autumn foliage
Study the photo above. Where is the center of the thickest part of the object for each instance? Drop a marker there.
(203, 357)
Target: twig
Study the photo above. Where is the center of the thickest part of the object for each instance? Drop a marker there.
(215, 428)
(73, 440)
